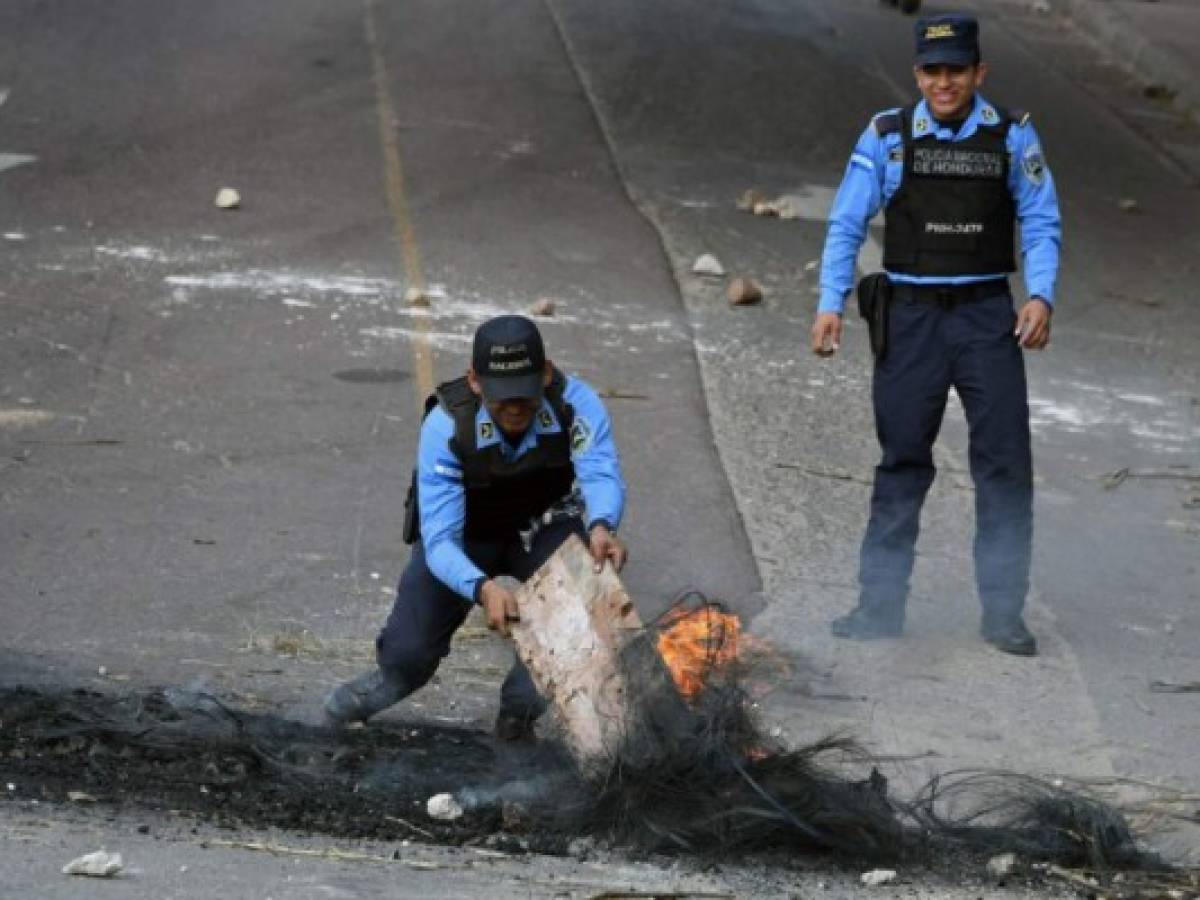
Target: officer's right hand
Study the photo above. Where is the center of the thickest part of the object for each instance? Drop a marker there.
(827, 333)
(500, 604)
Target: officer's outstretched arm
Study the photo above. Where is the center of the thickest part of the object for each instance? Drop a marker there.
(1036, 199)
(858, 199)
(598, 471)
(595, 457)
(443, 505)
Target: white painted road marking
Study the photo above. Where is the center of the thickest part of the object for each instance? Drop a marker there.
(10, 160)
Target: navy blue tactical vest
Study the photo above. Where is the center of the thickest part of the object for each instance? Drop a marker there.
(953, 213)
(503, 495)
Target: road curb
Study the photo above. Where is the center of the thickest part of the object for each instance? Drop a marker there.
(1118, 33)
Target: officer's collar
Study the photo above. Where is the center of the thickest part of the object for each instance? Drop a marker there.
(487, 432)
(982, 114)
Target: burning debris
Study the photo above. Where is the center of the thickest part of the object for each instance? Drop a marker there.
(697, 643)
(575, 624)
(673, 761)
(693, 773)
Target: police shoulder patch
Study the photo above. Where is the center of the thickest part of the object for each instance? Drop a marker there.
(888, 123)
(581, 435)
(1033, 164)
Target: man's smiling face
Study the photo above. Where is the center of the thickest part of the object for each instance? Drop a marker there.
(949, 90)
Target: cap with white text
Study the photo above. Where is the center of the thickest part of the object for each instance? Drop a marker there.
(509, 359)
(951, 39)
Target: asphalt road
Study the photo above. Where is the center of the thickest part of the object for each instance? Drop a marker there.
(771, 96)
(213, 413)
(207, 417)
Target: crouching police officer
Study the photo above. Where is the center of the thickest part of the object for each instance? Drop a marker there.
(513, 458)
(953, 174)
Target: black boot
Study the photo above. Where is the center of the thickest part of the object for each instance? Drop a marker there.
(364, 696)
(868, 623)
(1007, 632)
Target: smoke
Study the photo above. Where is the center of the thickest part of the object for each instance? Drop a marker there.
(529, 792)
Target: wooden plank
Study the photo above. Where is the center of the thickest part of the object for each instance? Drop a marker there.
(578, 636)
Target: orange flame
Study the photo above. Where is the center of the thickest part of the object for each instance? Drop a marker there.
(696, 643)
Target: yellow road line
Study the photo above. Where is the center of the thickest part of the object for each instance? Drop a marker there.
(402, 227)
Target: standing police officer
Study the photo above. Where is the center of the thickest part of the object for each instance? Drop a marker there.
(953, 174)
(513, 458)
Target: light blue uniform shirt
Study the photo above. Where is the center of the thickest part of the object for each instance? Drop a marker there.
(873, 176)
(442, 499)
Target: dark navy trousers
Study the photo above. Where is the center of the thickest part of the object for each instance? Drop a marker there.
(932, 347)
(416, 636)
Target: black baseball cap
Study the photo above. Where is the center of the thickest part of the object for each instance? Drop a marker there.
(509, 359)
(951, 39)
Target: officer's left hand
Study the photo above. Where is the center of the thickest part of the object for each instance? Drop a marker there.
(606, 545)
(826, 334)
(1033, 324)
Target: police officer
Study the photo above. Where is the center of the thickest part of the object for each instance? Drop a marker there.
(513, 458)
(953, 174)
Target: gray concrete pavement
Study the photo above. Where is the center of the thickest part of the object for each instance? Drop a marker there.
(1115, 577)
(208, 418)
(211, 416)
(1155, 39)
(181, 862)
(202, 412)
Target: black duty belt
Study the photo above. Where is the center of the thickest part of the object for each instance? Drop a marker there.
(949, 294)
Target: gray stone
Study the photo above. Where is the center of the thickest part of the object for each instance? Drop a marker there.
(708, 265)
(743, 292)
(1003, 865)
(100, 864)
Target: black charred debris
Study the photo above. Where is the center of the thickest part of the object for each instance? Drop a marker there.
(711, 786)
